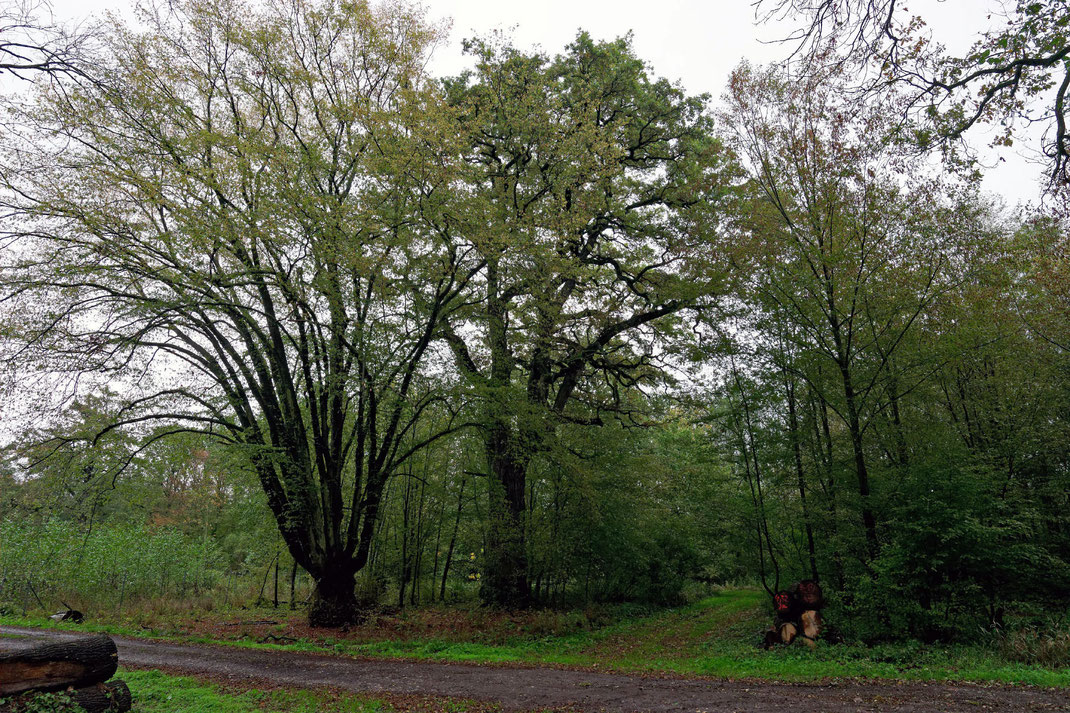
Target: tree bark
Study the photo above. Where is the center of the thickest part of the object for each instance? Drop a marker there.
(334, 603)
(796, 447)
(869, 522)
(293, 583)
(505, 577)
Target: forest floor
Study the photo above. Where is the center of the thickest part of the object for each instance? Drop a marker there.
(526, 688)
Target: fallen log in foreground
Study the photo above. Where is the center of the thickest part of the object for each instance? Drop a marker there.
(59, 665)
(80, 668)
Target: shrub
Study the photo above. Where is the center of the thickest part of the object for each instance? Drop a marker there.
(56, 561)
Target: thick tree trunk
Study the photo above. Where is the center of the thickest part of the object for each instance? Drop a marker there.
(55, 666)
(505, 576)
(334, 603)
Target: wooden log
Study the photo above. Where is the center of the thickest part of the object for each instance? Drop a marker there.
(811, 627)
(56, 666)
(104, 697)
(111, 697)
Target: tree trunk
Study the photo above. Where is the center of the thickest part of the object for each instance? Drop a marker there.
(796, 447)
(275, 599)
(293, 583)
(334, 603)
(747, 443)
(403, 576)
(263, 583)
(869, 522)
(418, 555)
(453, 542)
(55, 666)
(823, 451)
(902, 451)
(505, 576)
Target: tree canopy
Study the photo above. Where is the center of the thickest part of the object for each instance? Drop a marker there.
(598, 206)
(1017, 73)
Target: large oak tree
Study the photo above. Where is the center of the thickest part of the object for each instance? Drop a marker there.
(595, 198)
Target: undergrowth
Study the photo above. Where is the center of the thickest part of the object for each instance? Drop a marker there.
(40, 703)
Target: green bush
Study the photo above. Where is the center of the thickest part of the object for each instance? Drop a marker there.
(56, 561)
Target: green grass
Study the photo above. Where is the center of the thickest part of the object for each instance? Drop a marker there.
(155, 692)
(716, 636)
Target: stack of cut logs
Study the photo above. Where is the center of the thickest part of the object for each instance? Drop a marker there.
(81, 667)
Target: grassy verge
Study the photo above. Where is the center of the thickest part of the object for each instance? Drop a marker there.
(156, 692)
(716, 637)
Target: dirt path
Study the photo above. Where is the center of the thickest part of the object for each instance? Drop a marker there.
(539, 688)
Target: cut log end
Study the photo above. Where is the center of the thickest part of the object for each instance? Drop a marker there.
(104, 697)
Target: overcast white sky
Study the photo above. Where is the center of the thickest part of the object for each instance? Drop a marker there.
(695, 41)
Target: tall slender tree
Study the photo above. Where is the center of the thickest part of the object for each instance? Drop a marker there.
(853, 258)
